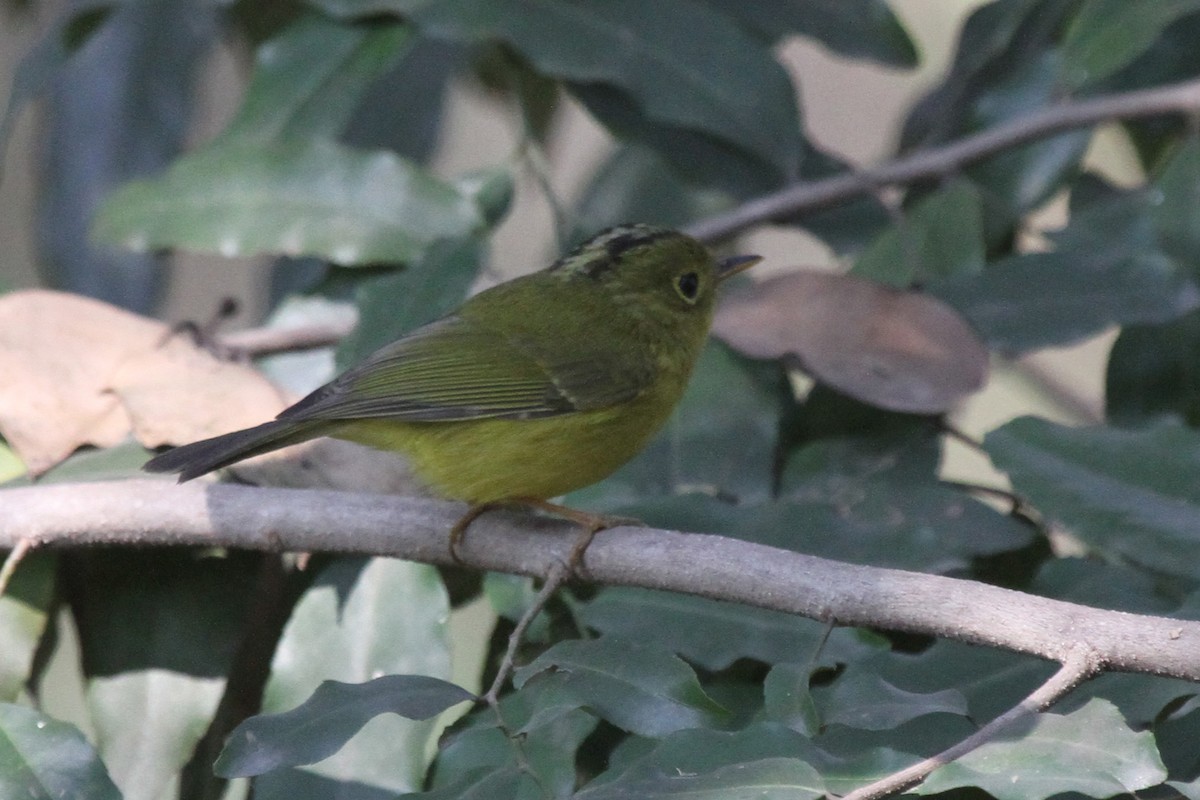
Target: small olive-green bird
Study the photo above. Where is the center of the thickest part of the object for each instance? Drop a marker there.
(531, 389)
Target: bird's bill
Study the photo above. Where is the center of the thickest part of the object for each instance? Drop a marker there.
(728, 267)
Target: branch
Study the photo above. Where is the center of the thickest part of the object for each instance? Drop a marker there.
(255, 342)
(947, 159)
(149, 512)
(1079, 665)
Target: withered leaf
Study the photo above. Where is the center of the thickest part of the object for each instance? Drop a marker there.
(895, 349)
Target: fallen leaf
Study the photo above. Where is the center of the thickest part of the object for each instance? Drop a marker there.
(895, 349)
(76, 371)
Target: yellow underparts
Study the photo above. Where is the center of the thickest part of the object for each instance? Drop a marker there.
(488, 460)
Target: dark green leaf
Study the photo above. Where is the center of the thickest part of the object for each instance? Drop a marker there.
(768, 779)
(309, 79)
(44, 759)
(158, 630)
(855, 28)
(292, 198)
(1091, 751)
(714, 634)
(787, 699)
(859, 698)
(1129, 495)
(336, 711)
(1052, 299)
(942, 236)
(509, 783)
(683, 63)
(360, 619)
(721, 440)
(24, 612)
(549, 746)
(112, 463)
(642, 689)
(1106, 35)
(1152, 373)
(393, 304)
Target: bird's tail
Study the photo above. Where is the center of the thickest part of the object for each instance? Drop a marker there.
(195, 459)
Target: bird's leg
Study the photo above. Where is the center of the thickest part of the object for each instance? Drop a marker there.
(590, 523)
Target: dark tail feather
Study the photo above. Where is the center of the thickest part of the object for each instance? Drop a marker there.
(195, 459)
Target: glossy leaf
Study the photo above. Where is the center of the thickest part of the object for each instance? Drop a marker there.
(714, 634)
(1130, 495)
(44, 759)
(322, 724)
(720, 441)
(1078, 294)
(1106, 35)
(941, 237)
(157, 631)
(291, 198)
(768, 779)
(855, 28)
(1151, 373)
(361, 618)
(787, 699)
(309, 79)
(1091, 751)
(859, 698)
(24, 613)
(706, 75)
(394, 304)
(638, 688)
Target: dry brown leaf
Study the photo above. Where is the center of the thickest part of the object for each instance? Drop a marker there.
(76, 371)
(895, 349)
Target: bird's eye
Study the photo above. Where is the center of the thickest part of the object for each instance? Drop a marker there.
(688, 284)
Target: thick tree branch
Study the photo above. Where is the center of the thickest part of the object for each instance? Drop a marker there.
(947, 159)
(148, 512)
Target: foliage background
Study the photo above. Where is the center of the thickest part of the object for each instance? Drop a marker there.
(748, 700)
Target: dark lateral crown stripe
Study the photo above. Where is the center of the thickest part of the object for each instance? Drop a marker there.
(600, 254)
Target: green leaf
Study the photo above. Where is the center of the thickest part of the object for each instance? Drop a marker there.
(1129, 495)
(321, 725)
(394, 304)
(292, 198)
(768, 779)
(1091, 751)
(1151, 373)
(44, 759)
(641, 689)
(308, 80)
(942, 236)
(787, 699)
(715, 764)
(158, 629)
(855, 28)
(549, 745)
(714, 634)
(1106, 35)
(361, 618)
(112, 463)
(720, 441)
(24, 612)
(10, 465)
(860, 698)
(683, 63)
(1040, 300)
(507, 783)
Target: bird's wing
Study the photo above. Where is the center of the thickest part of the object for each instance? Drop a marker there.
(457, 369)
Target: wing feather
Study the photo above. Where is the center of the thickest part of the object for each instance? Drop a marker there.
(459, 369)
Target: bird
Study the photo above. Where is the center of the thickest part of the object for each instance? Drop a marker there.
(531, 389)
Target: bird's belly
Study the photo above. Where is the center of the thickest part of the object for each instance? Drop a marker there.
(487, 460)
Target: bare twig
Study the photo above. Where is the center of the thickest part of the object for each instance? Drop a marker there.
(143, 512)
(1079, 665)
(255, 342)
(20, 549)
(559, 574)
(947, 159)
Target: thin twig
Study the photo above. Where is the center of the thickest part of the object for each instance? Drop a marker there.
(558, 575)
(255, 342)
(949, 158)
(1080, 664)
(15, 556)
